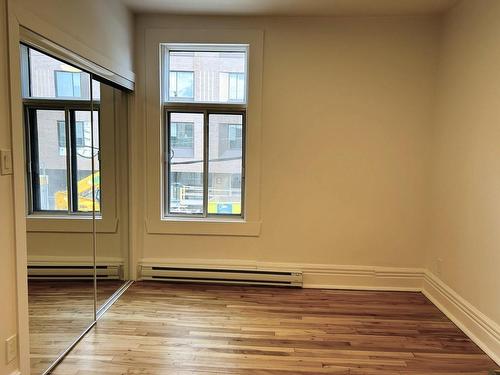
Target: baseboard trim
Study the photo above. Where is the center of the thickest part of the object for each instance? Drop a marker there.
(477, 326)
(78, 260)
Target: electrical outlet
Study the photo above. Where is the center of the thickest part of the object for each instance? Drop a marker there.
(5, 162)
(11, 348)
(439, 266)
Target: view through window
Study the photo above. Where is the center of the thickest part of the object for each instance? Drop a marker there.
(204, 91)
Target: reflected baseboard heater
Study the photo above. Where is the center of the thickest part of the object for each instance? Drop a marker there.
(222, 276)
(73, 272)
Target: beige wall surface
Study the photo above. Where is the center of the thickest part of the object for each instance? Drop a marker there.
(104, 27)
(345, 136)
(7, 250)
(466, 153)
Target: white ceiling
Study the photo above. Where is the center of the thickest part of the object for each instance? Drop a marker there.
(292, 7)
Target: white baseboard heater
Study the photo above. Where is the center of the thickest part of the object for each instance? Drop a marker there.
(73, 272)
(222, 276)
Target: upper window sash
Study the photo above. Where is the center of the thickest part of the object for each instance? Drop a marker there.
(214, 67)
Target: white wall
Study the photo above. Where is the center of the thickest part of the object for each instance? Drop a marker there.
(346, 127)
(466, 155)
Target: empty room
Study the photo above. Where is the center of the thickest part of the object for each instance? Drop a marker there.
(250, 187)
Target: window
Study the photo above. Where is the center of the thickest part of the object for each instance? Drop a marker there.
(44, 77)
(205, 73)
(62, 181)
(234, 136)
(204, 135)
(236, 87)
(80, 135)
(181, 85)
(68, 84)
(182, 139)
(59, 136)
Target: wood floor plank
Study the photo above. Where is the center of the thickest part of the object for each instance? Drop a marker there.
(160, 328)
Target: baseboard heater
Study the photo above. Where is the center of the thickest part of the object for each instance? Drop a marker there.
(222, 276)
(73, 272)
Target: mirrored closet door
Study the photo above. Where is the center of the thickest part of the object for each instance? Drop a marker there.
(77, 194)
(112, 166)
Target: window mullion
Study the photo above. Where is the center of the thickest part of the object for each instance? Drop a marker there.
(205, 163)
(67, 121)
(166, 158)
(73, 159)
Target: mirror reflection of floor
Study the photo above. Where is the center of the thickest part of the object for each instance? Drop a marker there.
(59, 310)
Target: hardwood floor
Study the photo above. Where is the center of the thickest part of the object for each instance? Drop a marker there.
(58, 312)
(160, 328)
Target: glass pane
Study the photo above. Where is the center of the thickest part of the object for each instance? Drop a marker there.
(52, 167)
(185, 180)
(202, 76)
(52, 78)
(225, 164)
(84, 155)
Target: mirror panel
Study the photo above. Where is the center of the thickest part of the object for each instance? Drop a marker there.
(59, 228)
(112, 191)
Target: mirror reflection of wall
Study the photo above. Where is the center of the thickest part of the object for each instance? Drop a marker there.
(76, 152)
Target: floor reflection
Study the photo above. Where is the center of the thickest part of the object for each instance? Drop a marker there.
(59, 310)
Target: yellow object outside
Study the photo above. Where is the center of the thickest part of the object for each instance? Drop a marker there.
(84, 188)
(230, 208)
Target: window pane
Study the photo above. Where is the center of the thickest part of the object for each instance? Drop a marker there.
(217, 77)
(225, 164)
(185, 180)
(84, 155)
(52, 78)
(52, 190)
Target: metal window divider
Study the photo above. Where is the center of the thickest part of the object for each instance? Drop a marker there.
(205, 161)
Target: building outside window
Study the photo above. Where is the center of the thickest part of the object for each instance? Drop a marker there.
(204, 134)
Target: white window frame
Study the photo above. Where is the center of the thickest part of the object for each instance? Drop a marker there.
(174, 105)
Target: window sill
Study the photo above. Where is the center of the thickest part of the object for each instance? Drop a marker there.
(69, 224)
(204, 226)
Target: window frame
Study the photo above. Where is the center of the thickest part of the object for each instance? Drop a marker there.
(31, 105)
(206, 108)
(206, 111)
